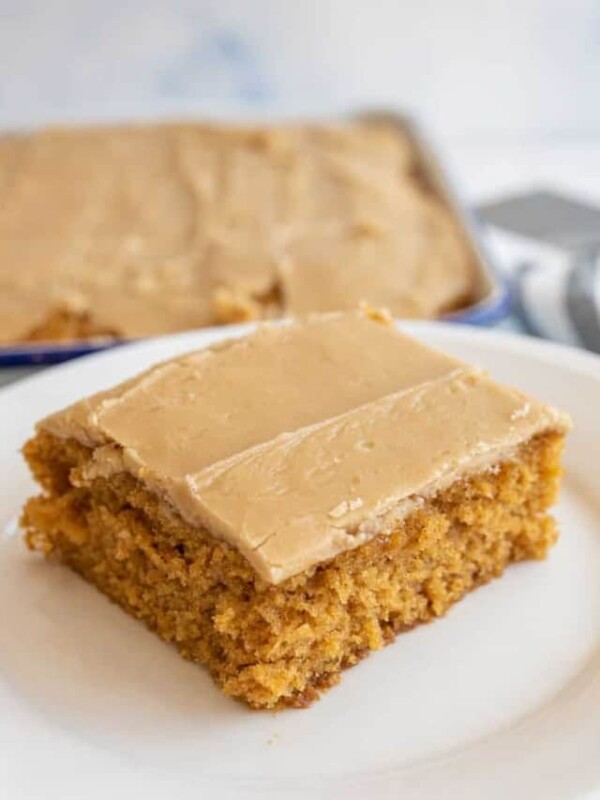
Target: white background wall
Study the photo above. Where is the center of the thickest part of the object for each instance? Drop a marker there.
(476, 70)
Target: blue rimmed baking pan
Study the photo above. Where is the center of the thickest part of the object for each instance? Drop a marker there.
(491, 297)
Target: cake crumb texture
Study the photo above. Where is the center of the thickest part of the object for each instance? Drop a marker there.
(283, 645)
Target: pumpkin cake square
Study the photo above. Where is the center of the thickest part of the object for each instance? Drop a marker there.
(279, 505)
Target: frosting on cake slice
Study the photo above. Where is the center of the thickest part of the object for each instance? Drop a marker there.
(302, 441)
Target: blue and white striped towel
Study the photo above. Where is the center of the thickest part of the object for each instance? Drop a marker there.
(556, 293)
(561, 303)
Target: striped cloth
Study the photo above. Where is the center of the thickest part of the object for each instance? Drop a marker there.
(561, 303)
(556, 293)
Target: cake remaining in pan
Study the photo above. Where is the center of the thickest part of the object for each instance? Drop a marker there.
(134, 231)
(279, 505)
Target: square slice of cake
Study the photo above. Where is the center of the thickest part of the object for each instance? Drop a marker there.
(278, 506)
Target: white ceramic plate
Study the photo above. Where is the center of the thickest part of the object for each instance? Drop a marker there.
(501, 698)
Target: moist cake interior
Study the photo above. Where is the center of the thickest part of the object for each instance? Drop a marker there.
(276, 646)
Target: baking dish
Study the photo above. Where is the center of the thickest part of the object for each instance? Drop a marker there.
(491, 297)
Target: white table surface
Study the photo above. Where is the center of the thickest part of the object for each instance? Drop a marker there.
(485, 171)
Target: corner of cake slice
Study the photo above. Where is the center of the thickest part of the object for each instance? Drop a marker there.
(278, 506)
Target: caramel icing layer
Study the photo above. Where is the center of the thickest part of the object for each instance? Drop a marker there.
(162, 228)
(299, 442)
